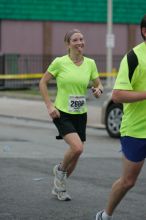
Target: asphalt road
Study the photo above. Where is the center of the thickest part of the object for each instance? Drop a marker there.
(28, 151)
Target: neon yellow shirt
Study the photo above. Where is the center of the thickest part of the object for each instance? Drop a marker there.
(132, 76)
(72, 82)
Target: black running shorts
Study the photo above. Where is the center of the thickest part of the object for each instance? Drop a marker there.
(70, 123)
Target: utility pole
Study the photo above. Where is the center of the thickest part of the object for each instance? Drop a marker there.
(110, 40)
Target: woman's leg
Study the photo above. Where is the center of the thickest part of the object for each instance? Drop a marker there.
(73, 153)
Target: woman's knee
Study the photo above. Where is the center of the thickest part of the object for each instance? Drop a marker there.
(78, 149)
(75, 143)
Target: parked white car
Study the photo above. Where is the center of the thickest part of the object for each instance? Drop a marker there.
(112, 116)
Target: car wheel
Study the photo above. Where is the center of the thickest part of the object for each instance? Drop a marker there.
(113, 119)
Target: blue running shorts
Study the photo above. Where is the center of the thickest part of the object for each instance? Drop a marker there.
(134, 149)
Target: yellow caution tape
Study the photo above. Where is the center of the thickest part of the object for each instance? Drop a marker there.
(22, 76)
(113, 74)
(39, 75)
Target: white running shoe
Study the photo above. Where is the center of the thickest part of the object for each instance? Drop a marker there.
(99, 215)
(60, 179)
(62, 196)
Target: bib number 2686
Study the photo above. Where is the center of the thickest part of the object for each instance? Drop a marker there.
(76, 103)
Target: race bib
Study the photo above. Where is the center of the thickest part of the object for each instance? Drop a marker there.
(77, 103)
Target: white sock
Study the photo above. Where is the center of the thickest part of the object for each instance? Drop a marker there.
(106, 216)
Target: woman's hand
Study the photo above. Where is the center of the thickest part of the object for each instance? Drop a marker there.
(97, 88)
(97, 91)
(53, 112)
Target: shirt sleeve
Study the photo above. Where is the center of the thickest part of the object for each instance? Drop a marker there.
(94, 71)
(54, 67)
(122, 81)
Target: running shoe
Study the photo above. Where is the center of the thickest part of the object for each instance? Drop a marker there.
(61, 195)
(99, 215)
(60, 179)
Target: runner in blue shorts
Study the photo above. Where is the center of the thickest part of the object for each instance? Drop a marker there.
(133, 148)
(130, 89)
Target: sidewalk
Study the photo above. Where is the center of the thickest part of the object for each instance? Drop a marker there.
(36, 110)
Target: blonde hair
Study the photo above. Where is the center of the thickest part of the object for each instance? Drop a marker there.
(69, 34)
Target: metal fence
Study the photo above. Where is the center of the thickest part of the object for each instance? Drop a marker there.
(13, 64)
